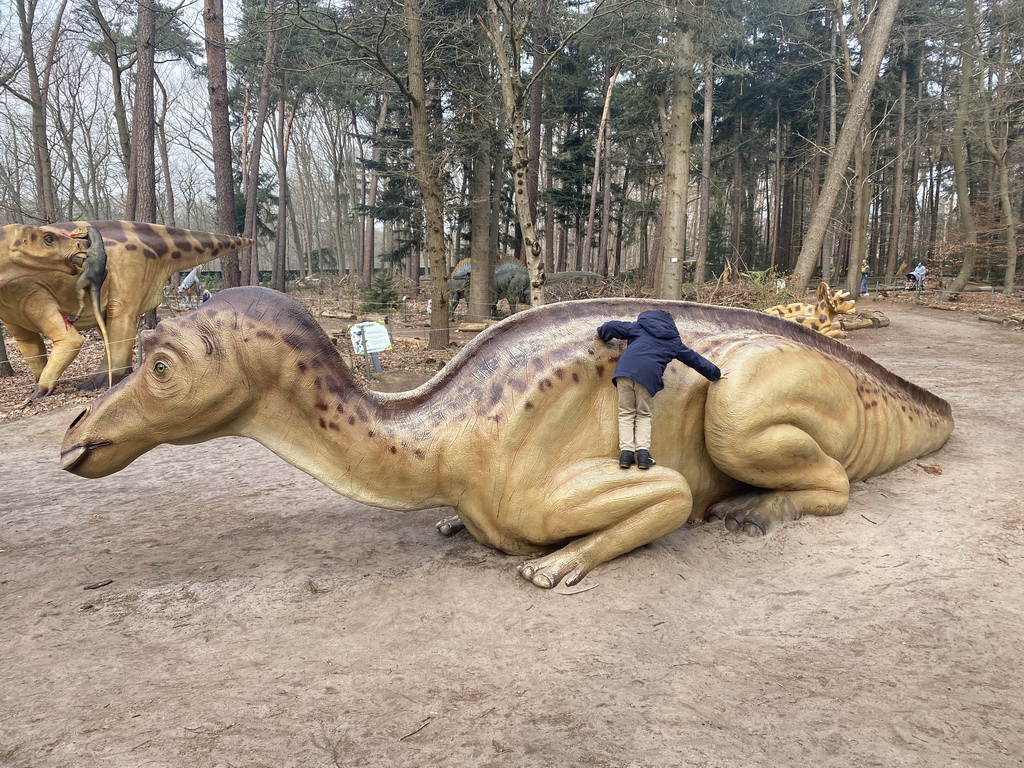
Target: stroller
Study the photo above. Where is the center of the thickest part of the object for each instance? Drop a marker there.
(911, 282)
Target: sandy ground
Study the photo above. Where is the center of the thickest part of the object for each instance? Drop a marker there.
(213, 606)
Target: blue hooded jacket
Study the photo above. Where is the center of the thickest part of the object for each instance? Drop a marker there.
(652, 342)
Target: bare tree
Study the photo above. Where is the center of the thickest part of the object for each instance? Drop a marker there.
(220, 132)
(835, 172)
(37, 98)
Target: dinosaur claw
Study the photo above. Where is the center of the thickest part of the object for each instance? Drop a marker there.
(449, 526)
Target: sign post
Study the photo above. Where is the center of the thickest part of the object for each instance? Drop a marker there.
(368, 339)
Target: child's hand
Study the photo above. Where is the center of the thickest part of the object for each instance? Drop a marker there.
(724, 372)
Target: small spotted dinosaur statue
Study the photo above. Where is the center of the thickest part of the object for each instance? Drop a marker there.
(140, 258)
(27, 251)
(518, 433)
(819, 316)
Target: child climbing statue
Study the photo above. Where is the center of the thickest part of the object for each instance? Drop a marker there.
(652, 342)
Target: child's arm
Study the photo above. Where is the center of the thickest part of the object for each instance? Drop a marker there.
(613, 329)
(700, 364)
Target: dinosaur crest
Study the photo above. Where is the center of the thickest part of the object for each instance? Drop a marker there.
(462, 269)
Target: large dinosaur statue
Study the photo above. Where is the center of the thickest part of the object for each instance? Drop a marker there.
(27, 251)
(819, 316)
(519, 433)
(140, 258)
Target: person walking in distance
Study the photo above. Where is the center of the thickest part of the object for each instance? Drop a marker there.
(652, 342)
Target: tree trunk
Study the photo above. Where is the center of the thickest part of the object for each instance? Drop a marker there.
(677, 167)
(540, 22)
(606, 211)
(899, 173)
(427, 176)
(141, 204)
(836, 170)
(369, 221)
(481, 286)
(958, 150)
(6, 370)
(251, 275)
(277, 276)
(220, 134)
(704, 193)
(602, 129)
(512, 96)
(861, 210)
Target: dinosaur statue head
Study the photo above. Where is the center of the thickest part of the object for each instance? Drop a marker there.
(838, 302)
(26, 250)
(196, 383)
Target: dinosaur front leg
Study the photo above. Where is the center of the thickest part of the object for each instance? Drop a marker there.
(614, 512)
(67, 342)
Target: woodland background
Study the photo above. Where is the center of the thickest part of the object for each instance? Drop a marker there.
(656, 144)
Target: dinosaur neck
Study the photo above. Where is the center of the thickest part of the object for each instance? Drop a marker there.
(375, 449)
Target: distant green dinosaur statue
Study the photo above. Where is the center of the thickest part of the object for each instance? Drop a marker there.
(511, 282)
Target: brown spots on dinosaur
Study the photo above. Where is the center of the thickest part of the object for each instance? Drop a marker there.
(261, 334)
(575, 377)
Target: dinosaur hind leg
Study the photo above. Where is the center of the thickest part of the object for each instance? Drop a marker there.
(794, 477)
(612, 513)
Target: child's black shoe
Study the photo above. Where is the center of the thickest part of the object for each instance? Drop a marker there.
(626, 459)
(644, 460)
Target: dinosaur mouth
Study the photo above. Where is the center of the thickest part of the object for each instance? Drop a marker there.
(72, 458)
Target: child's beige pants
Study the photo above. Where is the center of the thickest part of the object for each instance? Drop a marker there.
(634, 415)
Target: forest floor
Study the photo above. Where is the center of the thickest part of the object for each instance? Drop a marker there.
(211, 605)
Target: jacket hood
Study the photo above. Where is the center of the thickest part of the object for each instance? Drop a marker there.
(659, 324)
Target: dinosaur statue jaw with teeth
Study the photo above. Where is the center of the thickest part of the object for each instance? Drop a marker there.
(26, 251)
(518, 433)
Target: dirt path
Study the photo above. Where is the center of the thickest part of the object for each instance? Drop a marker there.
(253, 618)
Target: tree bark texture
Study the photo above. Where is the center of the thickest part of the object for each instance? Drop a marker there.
(677, 167)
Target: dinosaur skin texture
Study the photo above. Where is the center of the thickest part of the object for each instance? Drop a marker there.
(140, 258)
(27, 251)
(518, 433)
(818, 317)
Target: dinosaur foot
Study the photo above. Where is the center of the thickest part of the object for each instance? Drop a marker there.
(38, 394)
(449, 526)
(546, 572)
(99, 381)
(740, 514)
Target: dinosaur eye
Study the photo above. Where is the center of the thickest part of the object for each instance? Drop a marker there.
(160, 367)
(48, 239)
